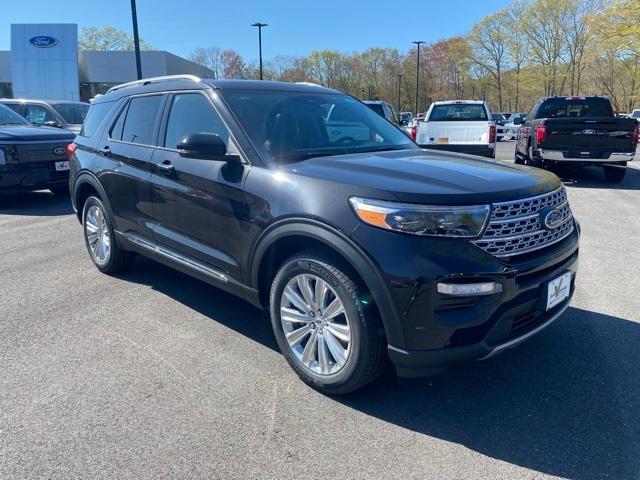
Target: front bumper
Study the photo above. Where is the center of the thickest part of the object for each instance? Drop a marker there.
(600, 157)
(432, 330)
(483, 150)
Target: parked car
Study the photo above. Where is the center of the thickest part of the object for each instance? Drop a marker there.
(512, 126)
(463, 126)
(500, 120)
(635, 114)
(31, 157)
(59, 113)
(384, 109)
(578, 131)
(412, 127)
(359, 249)
(405, 118)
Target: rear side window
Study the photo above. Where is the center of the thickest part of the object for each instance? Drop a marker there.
(141, 119)
(95, 116)
(575, 108)
(192, 113)
(458, 112)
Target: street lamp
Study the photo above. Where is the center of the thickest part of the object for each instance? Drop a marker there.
(260, 25)
(418, 43)
(136, 38)
(400, 75)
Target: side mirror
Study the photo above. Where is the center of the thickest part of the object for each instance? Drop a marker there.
(207, 146)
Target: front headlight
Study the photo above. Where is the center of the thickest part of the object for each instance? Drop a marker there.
(435, 220)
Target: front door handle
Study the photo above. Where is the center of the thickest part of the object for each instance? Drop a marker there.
(106, 151)
(165, 166)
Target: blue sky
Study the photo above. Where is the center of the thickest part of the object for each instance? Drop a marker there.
(297, 27)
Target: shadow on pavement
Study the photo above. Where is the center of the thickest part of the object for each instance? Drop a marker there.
(593, 177)
(566, 403)
(36, 204)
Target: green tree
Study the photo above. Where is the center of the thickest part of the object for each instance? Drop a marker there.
(107, 38)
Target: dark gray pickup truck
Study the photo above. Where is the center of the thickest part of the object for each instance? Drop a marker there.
(578, 131)
(31, 157)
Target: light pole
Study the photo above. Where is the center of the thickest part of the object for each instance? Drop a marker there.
(399, 84)
(136, 38)
(418, 43)
(260, 25)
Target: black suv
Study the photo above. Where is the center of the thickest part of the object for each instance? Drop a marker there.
(362, 249)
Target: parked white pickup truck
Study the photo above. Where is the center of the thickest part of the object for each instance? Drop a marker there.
(463, 126)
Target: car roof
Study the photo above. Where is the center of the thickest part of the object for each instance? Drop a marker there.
(454, 102)
(184, 82)
(44, 102)
(374, 102)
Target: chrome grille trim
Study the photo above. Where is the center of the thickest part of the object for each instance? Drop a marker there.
(515, 227)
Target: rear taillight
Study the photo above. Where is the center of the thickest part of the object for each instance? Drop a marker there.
(413, 131)
(635, 135)
(71, 148)
(541, 133)
(492, 134)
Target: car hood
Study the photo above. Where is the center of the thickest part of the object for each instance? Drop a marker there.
(23, 133)
(427, 176)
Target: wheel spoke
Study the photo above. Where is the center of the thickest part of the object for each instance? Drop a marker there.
(337, 351)
(320, 292)
(334, 309)
(90, 226)
(290, 315)
(339, 330)
(305, 289)
(323, 355)
(295, 299)
(295, 337)
(310, 349)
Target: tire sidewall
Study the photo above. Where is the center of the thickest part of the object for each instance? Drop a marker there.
(357, 324)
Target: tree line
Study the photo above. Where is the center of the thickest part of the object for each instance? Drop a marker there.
(530, 49)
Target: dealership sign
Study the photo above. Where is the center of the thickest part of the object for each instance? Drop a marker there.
(43, 41)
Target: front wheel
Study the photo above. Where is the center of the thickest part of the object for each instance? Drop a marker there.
(615, 173)
(330, 338)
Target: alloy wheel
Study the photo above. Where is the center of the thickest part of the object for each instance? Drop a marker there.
(315, 324)
(97, 233)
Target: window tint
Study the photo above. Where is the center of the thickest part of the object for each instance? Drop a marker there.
(192, 113)
(116, 130)
(38, 114)
(16, 107)
(97, 112)
(458, 112)
(72, 112)
(9, 117)
(376, 107)
(575, 107)
(140, 120)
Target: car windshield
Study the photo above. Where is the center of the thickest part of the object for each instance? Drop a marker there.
(458, 112)
(575, 107)
(9, 117)
(72, 112)
(288, 127)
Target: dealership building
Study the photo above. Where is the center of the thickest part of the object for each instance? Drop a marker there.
(44, 63)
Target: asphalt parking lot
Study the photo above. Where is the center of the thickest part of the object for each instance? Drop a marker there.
(152, 374)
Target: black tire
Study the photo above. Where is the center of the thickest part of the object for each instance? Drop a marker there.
(60, 191)
(367, 357)
(517, 158)
(615, 173)
(118, 260)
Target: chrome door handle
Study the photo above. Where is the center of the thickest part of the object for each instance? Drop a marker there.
(106, 151)
(166, 166)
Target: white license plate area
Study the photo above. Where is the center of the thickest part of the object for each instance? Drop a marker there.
(558, 290)
(62, 166)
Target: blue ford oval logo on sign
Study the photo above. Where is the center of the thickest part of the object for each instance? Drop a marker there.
(43, 41)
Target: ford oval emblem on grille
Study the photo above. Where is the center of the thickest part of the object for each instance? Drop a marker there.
(588, 131)
(553, 219)
(43, 41)
(59, 151)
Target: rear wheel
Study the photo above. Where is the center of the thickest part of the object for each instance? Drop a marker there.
(615, 173)
(100, 239)
(325, 333)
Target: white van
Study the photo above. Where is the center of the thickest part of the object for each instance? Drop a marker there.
(463, 126)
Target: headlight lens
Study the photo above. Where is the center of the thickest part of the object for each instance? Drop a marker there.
(434, 220)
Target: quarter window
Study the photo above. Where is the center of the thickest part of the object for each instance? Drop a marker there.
(140, 120)
(192, 113)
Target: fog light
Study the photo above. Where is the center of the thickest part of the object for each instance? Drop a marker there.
(485, 288)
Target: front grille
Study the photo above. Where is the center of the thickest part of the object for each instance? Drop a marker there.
(516, 227)
(40, 152)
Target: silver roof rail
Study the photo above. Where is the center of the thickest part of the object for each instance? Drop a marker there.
(147, 81)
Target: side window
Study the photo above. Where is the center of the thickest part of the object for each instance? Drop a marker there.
(96, 114)
(192, 113)
(141, 119)
(16, 107)
(38, 114)
(116, 131)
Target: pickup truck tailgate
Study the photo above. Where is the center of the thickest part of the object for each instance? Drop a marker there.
(588, 134)
(467, 133)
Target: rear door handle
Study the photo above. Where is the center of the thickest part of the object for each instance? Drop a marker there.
(106, 151)
(165, 166)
